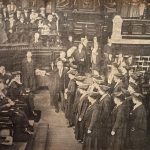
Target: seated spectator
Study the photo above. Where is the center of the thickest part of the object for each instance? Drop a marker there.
(36, 40)
(3, 37)
(21, 32)
(5, 76)
(18, 117)
(11, 29)
(42, 12)
(26, 15)
(11, 7)
(18, 14)
(52, 24)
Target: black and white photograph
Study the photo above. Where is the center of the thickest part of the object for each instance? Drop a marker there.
(74, 74)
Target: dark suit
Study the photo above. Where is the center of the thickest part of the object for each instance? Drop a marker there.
(28, 74)
(58, 84)
(80, 64)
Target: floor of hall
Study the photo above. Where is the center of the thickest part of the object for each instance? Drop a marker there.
(60, 137)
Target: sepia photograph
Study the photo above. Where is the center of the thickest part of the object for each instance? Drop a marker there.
(74, 74)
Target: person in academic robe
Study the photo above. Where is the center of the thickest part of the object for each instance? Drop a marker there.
(105, 108)
(80, 59)
(28, 72)
(82, 106)
(71, 90)
(138, 122)
(118, 124)
(91, 123)
(58, 85)
(3, 37)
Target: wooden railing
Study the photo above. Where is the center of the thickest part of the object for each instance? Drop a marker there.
(11, 55)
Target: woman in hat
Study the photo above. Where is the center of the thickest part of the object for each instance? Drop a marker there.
(118, 123)
(138, 122)
(91, 123)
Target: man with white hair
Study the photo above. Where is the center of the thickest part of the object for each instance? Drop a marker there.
(28, 72)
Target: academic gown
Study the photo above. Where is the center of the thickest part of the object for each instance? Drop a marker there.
(91, 123)
(70, 98)
(82, 107)
(138, 130)
(105, 108)
(118, 124)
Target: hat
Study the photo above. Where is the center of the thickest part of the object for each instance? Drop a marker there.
(139, 96)
(115, 64)
(73, 66)
(104, 88)
(134, 77)
(83, 86)
(119, 95)
(98, 81)
(73, 72)
(94, 95)
(80, 78)
(119, 75)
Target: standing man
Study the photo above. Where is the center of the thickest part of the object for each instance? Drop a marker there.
(28, 72)
(58, 84)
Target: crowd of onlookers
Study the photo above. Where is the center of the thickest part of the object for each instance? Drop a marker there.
(104, 98)
(29, 25)
(16, 109)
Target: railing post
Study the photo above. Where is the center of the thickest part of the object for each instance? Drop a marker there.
(117, 27)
